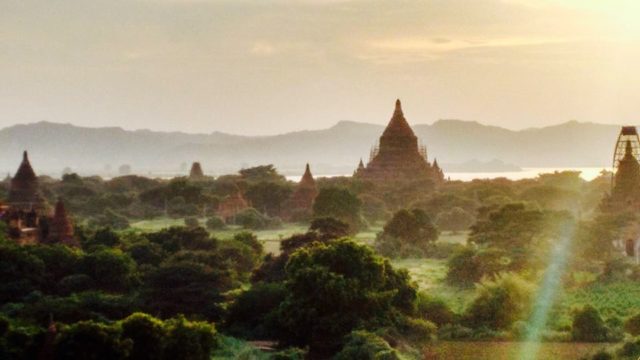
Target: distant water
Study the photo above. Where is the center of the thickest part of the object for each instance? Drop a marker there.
(587, 173)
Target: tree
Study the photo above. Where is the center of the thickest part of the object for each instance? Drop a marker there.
(408, 233)
(189, 340)
(266, 173)
(341, 204)
(268, 196)
(499, 303)
(588, 325)
(330, 227)
(111, 269)
(92, 341)
(363, 345)
(456, 219)
(632, 325)
(196, 288)
(147, 335)
(176, 238)
(334, 287)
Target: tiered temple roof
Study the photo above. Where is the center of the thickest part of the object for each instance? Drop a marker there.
(398, 157)
(304, 194)
(196, 172)
(24, 191)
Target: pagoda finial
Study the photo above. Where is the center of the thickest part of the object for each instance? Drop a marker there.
(307, 169)
(628, 149)
(398, 107)
(25, 156)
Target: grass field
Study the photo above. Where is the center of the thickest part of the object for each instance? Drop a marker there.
(493, 350)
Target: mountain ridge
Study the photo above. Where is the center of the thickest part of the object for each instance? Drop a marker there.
(334, 150)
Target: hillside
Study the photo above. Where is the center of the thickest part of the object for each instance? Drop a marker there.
(335, 150)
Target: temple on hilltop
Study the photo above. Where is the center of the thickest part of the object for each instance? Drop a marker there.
(27, 214)
(398, 157)
(300, 204)
(196, 172)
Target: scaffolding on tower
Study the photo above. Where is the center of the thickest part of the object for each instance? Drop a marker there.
(627, 134)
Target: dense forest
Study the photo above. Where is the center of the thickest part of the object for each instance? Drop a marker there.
(208, 288)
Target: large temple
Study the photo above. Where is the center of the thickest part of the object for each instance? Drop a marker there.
(398, 157)
(27, 214)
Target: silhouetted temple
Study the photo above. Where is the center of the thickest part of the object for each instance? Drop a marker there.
(398, 158)
(625, 190)
(24, 190)
(301, 202)
(27, 215)
(231, 206)
(196, 172)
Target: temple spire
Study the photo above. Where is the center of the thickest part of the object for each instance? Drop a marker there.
(628, 150)
(398, 109)
(25, 156)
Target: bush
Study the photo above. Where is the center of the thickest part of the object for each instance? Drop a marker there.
(499, 303)
(363, 345)
(456, 219)
(191, 222)
(434, 310)
(408, 233)
(252, 219)
(147, 335)
(632, 325)
(91, 340)
(189, 340)
(588, 325)
(215, 223)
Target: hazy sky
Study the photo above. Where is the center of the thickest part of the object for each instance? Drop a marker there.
(264, 67)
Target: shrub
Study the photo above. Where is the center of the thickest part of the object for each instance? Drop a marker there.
(434, 310)
(189, 340)
(147, 335)
(252, 219)
(408, 233)
(588, 325)
(363, 345)
(499, 303)
(91, 340)
(632, 325)
(215, 223)
(191, 222)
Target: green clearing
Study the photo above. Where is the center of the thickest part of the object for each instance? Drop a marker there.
(495, 350)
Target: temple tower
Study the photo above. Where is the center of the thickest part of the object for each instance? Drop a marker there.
(398, 156)
(196, 172)
(303, 196)
(60, 227)
(24, 190)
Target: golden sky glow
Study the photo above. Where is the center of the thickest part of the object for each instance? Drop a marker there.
(260, 67)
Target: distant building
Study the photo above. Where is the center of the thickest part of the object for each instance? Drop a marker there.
(301, 202)
(60, 227)
(625, 189)
(398, 157)
(26, 212)
(196, 172)
(231, 206)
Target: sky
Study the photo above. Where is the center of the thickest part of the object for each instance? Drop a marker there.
(267, 67)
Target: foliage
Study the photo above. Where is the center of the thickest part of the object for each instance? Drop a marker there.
(252, 219)
(408, 233)
(499, 303)
(339, 203)
(456, 219)
(588, 325)
(215, 223)
(335, 287)
(435, 310)
(91, 340)
(632, 325)
(363, 345)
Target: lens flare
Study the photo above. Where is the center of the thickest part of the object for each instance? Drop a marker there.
(547, 293)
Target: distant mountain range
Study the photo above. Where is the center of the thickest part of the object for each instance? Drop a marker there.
(336, 150)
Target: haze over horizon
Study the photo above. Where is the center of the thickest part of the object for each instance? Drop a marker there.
(259, 68)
